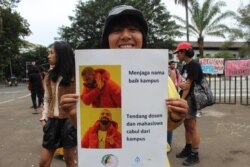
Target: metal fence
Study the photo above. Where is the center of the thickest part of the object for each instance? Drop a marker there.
(230, 90)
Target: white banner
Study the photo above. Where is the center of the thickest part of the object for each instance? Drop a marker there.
(122, 113)
(212, 65)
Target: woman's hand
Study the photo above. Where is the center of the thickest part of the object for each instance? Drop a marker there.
(68, 102)
(43, 122)
(177, 108)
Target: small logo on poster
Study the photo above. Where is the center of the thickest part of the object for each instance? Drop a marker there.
(137, 161)
(109, 160)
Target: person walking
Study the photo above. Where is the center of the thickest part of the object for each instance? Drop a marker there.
(57, 128)
(191, 73)
(36, 88)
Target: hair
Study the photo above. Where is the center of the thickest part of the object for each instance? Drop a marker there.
(188, 52)
(87, 70)
(171, 62)
(65, 63)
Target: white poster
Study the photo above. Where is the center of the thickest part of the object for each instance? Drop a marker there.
(122, 110)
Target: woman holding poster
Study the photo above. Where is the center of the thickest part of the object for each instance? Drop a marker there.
(126, 28)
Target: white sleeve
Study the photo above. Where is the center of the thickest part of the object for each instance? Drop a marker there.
(46, 103)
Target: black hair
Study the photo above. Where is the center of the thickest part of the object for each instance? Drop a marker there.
(171, 62)
(87, 70)
(65, 63)
(188, 52)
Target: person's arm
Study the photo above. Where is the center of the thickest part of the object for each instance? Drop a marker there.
(177, 107)
(30, 84)
(115, 93)
(185, 86)
(45, 106)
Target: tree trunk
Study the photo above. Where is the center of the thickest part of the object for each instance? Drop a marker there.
(187, 23)
(201, 46)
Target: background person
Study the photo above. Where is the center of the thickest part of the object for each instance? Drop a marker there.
(174, 74)
(36, 88)
(191, 73)
(58, 130)
(103, 134)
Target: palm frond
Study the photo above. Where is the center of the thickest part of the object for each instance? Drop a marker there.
(217, 20)
(220, 28)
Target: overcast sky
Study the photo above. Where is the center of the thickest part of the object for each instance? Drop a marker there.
(46, 16)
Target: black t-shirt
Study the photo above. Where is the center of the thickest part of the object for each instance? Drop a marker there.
(36, 81)
(192, 71)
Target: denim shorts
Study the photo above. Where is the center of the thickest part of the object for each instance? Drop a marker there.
(59, 133)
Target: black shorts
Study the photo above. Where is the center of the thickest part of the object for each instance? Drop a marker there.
(59, 133)
(192, 111)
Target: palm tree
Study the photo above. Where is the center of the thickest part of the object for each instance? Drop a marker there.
(184, 3)
(206, 20)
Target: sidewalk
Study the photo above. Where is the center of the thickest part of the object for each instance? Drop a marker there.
(225, 137)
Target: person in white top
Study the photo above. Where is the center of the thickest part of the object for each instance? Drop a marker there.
(58, 129)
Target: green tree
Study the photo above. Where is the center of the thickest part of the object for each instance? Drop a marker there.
(13, 29)
(9, 3)
(224, 54)
(87, 24)
(185, 4)
(244, 23)
(206, 20)
(39, 54)
(244, 20)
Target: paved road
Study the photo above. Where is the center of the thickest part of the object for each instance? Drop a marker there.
(225, 136)
(21, 133)
(8, 94)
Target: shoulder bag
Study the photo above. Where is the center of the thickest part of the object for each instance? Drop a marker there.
(202, 94)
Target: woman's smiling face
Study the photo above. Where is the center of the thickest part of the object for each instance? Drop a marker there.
(125, 38)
